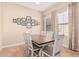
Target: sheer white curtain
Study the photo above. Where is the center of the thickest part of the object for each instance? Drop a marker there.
(73, 26)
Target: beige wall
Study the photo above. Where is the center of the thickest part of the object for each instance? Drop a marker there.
(78, 27)
(13, 33)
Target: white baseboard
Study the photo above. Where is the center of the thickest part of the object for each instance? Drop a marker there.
(12, 45)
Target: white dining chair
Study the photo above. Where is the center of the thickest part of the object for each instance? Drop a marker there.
(29, 46)
(54, 49)
(50, 35)
(43, 33)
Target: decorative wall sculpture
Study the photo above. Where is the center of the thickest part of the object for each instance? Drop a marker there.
(28, 22)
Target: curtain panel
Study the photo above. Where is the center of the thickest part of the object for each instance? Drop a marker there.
(73, 27)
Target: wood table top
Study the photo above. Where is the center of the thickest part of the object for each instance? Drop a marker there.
(40, 40)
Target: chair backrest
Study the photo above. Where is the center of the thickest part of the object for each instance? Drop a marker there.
(57, 44)
(28, 40)
(43, 33)
(49, 35)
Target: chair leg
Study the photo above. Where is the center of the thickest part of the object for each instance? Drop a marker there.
(31, 53)
(40, 53)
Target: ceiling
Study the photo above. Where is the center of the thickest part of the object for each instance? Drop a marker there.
(41, 6)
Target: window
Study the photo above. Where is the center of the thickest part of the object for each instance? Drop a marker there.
(63, 23)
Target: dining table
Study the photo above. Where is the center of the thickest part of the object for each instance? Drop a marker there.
(40, 40)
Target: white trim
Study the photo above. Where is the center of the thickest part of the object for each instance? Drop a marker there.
(12, 45)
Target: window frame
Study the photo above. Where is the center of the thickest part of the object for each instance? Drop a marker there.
(64, 23)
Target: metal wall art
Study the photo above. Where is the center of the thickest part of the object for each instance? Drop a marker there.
(28, 22)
